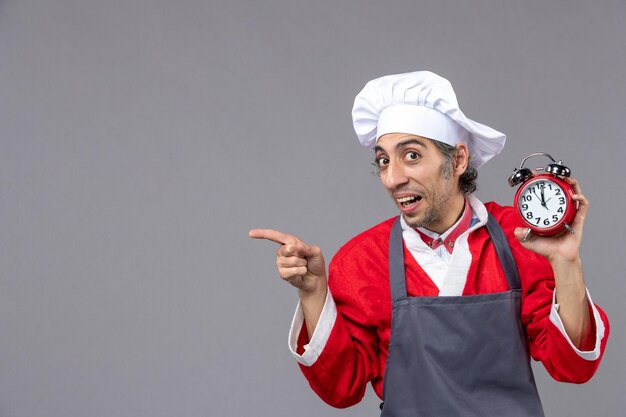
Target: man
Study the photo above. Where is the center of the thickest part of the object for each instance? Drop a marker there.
(440, 307)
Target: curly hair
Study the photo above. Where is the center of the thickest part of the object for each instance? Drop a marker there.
(467, 181)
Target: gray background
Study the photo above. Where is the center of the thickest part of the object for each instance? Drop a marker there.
(140, 140)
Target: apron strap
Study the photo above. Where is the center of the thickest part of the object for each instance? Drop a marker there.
(397, 278)
(503, 250)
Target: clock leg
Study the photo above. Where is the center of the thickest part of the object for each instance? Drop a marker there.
(527, 235)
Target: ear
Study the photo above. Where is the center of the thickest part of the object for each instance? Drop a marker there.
(461, 159)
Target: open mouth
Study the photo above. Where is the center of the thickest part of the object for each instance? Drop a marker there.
(407, 201)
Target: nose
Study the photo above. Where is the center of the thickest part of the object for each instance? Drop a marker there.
(394, 175)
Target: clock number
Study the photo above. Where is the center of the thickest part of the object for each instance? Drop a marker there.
(557, 191)
(529, 215)
(524, 206)
(555, 218)
(527, 197)
(561, 200)
(546, 222)
(538, 219)
(560, 210)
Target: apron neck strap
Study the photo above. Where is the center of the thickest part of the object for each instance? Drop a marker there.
(503, 250)
(397, 278)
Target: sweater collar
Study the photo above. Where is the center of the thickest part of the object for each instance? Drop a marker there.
(449, 237)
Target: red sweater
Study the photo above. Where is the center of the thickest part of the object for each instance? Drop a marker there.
(356, 350)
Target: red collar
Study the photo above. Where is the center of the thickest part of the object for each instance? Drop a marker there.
(457, 230)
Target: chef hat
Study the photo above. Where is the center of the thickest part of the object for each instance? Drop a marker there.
(421, 103)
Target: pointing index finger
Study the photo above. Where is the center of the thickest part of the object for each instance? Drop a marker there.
(273, 235)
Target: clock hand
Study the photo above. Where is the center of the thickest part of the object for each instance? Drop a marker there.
(543, 198)
(545, 203)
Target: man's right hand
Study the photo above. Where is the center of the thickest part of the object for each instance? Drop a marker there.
(302, 266)
(299, 264)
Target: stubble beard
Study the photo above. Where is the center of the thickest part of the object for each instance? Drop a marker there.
(438, 201)
(438, 197)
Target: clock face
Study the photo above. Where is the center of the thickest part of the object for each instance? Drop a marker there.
(542, 203)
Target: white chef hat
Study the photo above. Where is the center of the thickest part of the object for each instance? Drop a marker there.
(421, 103)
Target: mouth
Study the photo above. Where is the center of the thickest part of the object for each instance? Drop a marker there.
(407, 202)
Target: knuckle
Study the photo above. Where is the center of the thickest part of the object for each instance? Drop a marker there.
(290, 250)
(298, 271)
(288, 273)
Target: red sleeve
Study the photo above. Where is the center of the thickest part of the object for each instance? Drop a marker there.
(358, 282)
(545, 341)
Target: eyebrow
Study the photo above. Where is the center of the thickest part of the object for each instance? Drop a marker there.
(402, 144)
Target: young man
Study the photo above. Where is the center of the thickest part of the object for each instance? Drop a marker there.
(440, 307)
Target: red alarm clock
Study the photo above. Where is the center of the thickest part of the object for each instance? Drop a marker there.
(544, 201)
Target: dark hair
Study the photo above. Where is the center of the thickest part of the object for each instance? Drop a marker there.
(467, 181)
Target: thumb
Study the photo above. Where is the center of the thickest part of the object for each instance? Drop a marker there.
(524, 235)
(313, 252)
(520, 232)
(316, 263)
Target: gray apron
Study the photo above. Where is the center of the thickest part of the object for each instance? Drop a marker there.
(462, 356)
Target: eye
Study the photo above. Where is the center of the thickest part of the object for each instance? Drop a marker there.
(412, 156)
(381, 161)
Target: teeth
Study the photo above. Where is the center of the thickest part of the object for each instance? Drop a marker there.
(405, 201)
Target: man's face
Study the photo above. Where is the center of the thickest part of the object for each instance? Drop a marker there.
(411, 169)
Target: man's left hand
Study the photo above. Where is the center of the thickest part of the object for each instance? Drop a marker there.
(565, 246)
